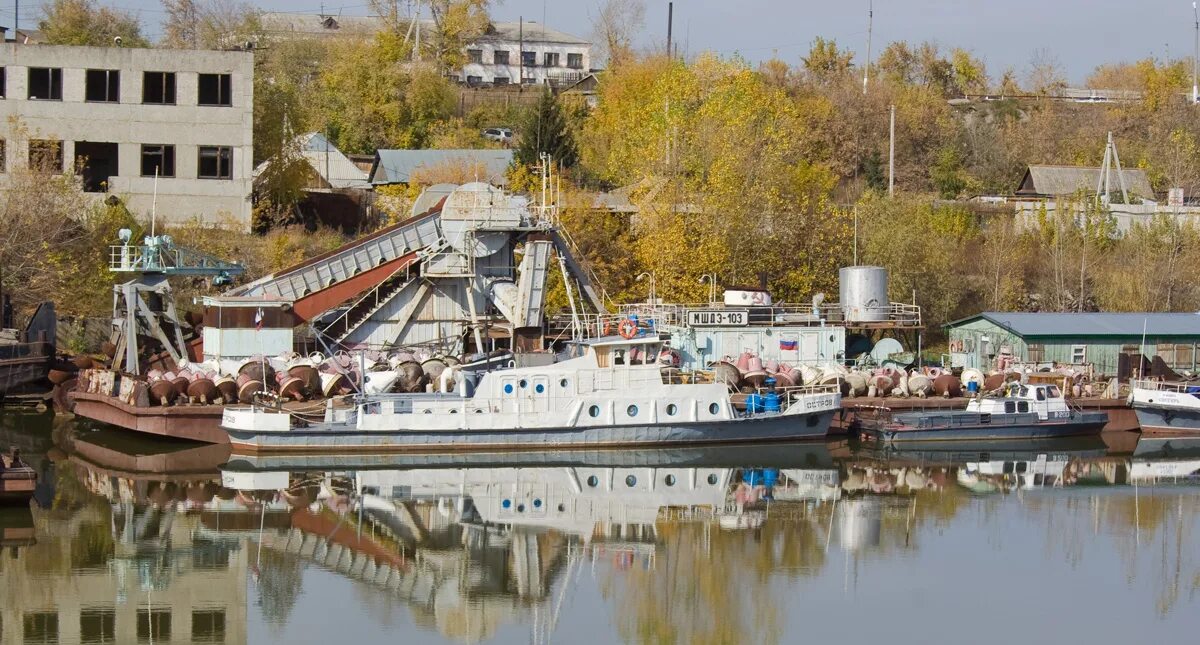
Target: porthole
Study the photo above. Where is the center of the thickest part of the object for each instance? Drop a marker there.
(714, 408)
(524, 384)
(593, 481)
(672, 409)
(508, 388)
(453, 410)
(594, 411)
(506, 503)
(520, 508)
(478, 411)
(563, 383)
(631, 410)
(712, 480)
(669, 480)
(631, 481)
(539, 388)
(537, 503)
(427, 411)
(562, 508)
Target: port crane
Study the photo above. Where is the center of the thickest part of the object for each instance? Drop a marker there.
(145, 305)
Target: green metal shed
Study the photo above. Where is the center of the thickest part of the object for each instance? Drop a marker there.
(1096, 339)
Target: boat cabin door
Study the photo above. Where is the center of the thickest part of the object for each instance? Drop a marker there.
(510, 395)
(538, 396)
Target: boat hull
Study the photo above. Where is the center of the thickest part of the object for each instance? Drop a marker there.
(1084, 425)
(773, 428)
(1168, 421)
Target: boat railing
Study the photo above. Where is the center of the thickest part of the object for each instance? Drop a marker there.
(893, 315)
(1166, 386)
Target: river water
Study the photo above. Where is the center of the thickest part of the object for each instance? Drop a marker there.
(130, 540)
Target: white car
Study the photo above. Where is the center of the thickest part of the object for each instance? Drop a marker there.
(503, 135)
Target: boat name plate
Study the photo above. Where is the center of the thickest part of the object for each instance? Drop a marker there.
(718, 318)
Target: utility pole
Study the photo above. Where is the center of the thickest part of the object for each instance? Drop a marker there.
(670, 19)
(870, 25)
(892, 154)
(1196, 56)
(521, 53)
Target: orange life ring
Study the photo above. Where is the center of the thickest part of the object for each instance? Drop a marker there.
(607, 329)
(628, 329)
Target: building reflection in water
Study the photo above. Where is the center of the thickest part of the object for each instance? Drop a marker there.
(175, 547)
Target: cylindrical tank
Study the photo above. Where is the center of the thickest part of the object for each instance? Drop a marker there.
(863, 292)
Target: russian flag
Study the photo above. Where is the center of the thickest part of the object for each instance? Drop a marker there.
(788, 345)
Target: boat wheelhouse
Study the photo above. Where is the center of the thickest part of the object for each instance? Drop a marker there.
(1166, 408)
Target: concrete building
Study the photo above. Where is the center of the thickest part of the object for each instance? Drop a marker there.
(117, 117)
(508, 53)
(1104, 341)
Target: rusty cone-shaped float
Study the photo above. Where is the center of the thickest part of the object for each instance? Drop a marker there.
(947, 385)
(227, 387)
(309, 377)
(247, 386)
(292, 388)
(203, 390)
(727, 373)
(412, 378)
(162, 391)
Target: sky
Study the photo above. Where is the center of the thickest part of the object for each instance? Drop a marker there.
(1078, 34)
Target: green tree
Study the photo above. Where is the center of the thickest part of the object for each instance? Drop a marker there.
(546, 130)
(209, 24)
(825, 61)
(82, 22)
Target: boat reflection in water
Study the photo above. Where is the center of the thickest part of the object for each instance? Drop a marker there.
(179, 543)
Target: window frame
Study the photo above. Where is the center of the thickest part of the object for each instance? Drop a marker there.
(224, 83)
(1080, 352)
(1036, 352)
(163, 76)
(496, 55)
(111, 86)
(53, 74)
(578, 56)
(528, 58)
(60, 167)
(3, 156)
(475, 56)
(166, 152)
(201, 152)
(501, 80)
(550, 59)
(3, 82)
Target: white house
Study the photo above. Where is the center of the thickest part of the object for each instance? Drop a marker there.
(134, 122)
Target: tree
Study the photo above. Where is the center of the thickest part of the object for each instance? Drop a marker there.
(81, 22)
(208, 24)
(1045, 75)
(825, 61)
(546, 130)
(615, 27)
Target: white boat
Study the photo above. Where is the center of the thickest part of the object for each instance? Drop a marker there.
(610, 392)
(1166, 408)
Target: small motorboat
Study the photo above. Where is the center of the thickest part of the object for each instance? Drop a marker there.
(1017, 411)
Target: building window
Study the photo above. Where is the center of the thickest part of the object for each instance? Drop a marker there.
(474, 80)
(158, 161)
(215, 89)
(46, 155)
(45, 83)
(41, 627)
(216, 162)
(3, 88)
(551, 59)
(475, 56)
(102, 85)
(208, 626)
(500, 80)
(158, 88)
(3, 156)
(95, 163)
(529, 59)
(153, 625)
(500, 57)
(1037, 353)
(98, 625)
(575, 61)
(1078, 354)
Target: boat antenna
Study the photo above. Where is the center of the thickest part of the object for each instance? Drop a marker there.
(154, 202)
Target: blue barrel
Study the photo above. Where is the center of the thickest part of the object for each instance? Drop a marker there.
(972, 387)
(770, 476)
(752, 476)
(771, 402)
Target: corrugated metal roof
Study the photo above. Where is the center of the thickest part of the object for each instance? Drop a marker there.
(397, 166)
(1054, 181)
(532, 32)
(1091, 324)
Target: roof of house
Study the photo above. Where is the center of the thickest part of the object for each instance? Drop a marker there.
(397, 166)
(1090, 324)
(1055, 181)
(530, 32)
(333, 167)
